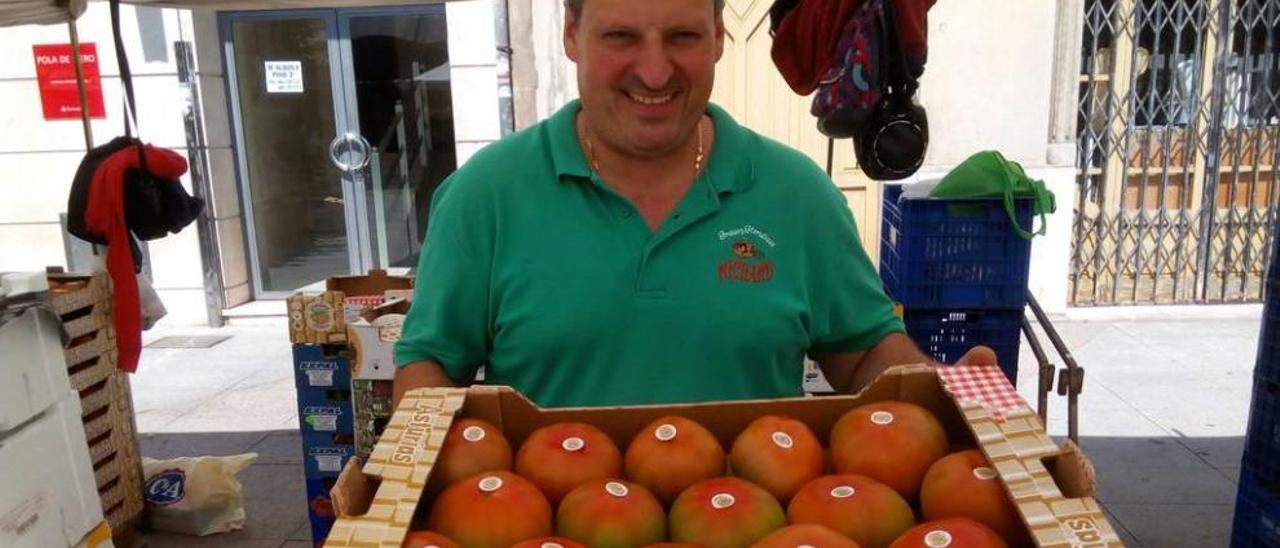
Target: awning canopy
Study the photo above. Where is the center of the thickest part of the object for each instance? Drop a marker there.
(39, 12)
(272, 4)
(42, 12)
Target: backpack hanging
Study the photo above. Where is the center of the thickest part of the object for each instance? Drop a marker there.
(852, 86)
(891, 145)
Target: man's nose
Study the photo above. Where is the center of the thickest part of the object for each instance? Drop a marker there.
(654, 66)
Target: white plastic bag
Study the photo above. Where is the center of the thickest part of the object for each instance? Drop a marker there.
(195, 495)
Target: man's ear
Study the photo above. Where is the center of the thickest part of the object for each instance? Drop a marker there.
(570, 35)
(719, 37)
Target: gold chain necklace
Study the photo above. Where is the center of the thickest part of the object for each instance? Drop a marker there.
(595, 162)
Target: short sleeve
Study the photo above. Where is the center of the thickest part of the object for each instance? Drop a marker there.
(849, 310)
(449, 320)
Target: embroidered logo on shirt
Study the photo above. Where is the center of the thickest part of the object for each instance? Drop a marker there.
(744, 249)
(749, 262)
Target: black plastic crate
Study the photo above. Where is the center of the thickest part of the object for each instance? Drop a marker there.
(949, 334)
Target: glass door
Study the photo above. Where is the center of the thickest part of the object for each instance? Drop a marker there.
(399, 102)
(287, 98)
(344, 129)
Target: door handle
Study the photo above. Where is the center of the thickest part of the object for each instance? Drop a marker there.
(355, 145)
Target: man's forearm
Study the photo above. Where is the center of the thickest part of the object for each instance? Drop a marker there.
(422, 374)
(894, 349)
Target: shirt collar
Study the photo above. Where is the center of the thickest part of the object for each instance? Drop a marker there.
(730, 167)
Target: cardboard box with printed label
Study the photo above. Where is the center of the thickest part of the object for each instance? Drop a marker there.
(326, 455)
(373, 338)
(328, 412)
(323, 318)
(321, 367)
(1052, 485)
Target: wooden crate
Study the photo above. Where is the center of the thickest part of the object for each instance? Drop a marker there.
(120, 470)
(84, 303)
(73, 292)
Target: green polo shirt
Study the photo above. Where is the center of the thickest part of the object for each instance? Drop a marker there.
(533, 266)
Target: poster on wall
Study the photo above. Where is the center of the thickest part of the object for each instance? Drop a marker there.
(56, 76)
(284, 76)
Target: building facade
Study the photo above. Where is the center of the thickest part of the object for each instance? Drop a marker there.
(318, 135)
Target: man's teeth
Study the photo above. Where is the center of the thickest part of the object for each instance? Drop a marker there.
(661, 99)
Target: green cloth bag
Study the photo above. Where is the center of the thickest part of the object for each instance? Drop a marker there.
(988, 174)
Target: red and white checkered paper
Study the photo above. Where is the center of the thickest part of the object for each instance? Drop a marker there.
(365, 301)
(985, 385)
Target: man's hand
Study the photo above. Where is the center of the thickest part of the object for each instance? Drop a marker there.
(979, 355)
(423, 374)
(849, 372)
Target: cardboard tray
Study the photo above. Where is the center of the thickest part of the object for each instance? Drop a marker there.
(1052, 485)
(374, 346)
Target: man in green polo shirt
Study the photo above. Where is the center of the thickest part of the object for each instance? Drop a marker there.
(640, 246)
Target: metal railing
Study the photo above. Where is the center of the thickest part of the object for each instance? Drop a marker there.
(1071, 377)
(1178, 150)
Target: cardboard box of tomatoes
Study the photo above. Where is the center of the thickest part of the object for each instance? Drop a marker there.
(921, 458)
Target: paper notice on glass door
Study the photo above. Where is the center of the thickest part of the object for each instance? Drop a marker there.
(284, 76)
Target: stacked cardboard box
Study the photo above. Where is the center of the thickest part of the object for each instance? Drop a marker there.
(373, 337)
(332, 411)
(322, 377)
(372, 402)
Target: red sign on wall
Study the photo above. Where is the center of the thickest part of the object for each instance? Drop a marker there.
(56, 74)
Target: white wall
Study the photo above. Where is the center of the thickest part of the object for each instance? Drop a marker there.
(38, 158)
(473, 76)
(988, 80)
(988, 86)
(557, 75)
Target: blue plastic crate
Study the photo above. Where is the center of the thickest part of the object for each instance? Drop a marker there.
(324, 455)
(948, 334)
(1257, 519)
(954, 253)
(321, 366)
(1262, 439)
(320, 509)
(1268, 363)
(325, 411)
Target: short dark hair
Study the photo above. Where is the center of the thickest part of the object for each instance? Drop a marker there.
(575, 7)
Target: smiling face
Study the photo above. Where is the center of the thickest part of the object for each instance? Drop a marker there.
(645, 70)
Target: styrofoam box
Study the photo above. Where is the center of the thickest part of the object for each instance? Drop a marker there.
(50, 497)
(33, 371)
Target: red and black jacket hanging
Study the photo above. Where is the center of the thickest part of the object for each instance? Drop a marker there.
(123, 190)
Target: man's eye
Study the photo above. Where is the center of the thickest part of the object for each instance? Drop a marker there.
(617, 35)
(685, 37)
